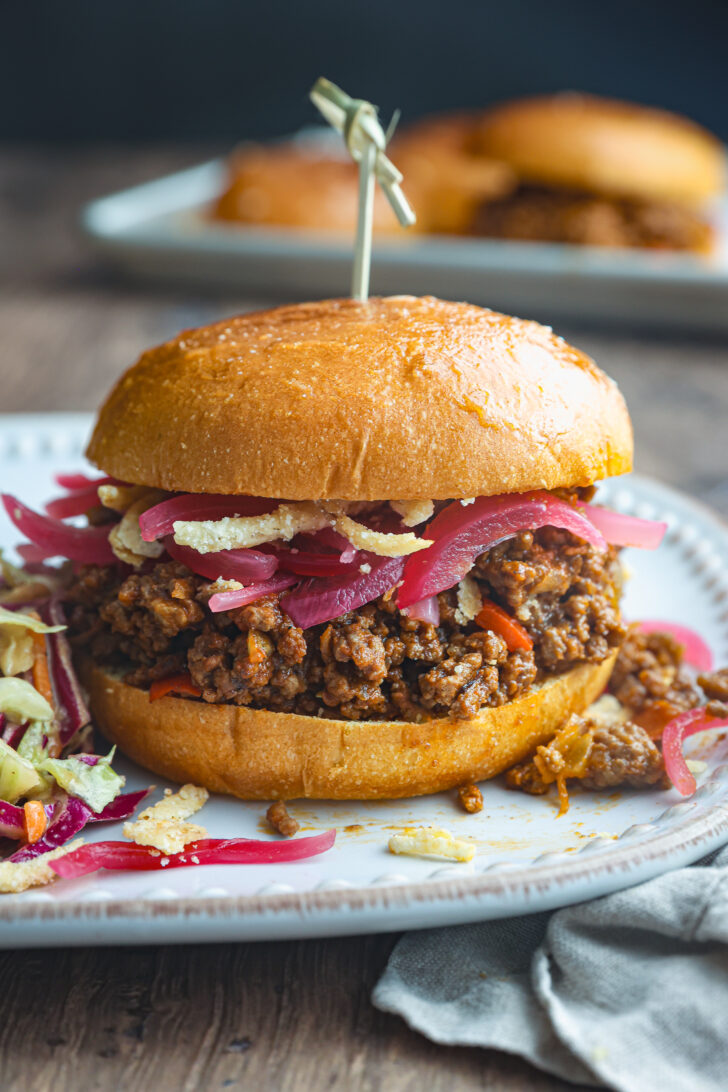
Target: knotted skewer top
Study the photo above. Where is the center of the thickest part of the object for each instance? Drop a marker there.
(358, 122)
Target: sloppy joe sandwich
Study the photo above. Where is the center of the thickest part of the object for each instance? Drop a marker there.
(347, 549)
(290, 185)
(601, 172)
(294, 185)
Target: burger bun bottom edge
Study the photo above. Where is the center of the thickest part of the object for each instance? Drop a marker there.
(256, 754)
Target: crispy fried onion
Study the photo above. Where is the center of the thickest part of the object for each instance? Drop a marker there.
(162, 825)
(16, 876)
(431, 842)
(378, 542)
(125, 537)
(288, 520)
(239, 532)
(221, 585)
(121, 497)
(413, 512)
(469, 601)
(565, 756)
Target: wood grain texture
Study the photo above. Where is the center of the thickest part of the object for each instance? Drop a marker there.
(288, 1016)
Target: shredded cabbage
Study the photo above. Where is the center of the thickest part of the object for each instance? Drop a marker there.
(16, 644)
(16, 651)
(17, 776)
(96, 785)
(39, 729)
(34, 746)
(22, 702)
(39, 740)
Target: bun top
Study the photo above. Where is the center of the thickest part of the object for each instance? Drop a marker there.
(603, 146)
(295, 186)
(395, 398)
(444, 178)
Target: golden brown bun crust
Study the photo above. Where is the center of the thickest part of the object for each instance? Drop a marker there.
(289, 186)
(604, 146)
(444, 180)
(401, 397)
(258, 755)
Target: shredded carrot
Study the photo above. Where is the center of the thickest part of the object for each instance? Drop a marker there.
(41, 674)
(656, 716)
(256, 648)
(563, 795)
(494, 618)
(174, 684)
(35, 820)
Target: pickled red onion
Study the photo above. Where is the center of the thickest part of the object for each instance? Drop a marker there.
(247, 566)
(697, 652)
(316, 601)
(159, 521)
(123, 856)
(620, 530)
(77, 501)
(307, 563)
(229, 600)
(82, 481)
(677, 730)
(332, 540)
(73, 504)
(427, 610)
(463, 532)
(31, 553)
(86, 544)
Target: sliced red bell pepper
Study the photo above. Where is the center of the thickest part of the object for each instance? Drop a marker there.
(174, 684)
(494, 618)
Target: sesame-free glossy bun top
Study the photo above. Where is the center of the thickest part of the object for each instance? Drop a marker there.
(603, 146)
(292, 186)
(395, 398)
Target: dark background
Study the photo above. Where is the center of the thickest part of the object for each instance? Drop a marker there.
(90, 70)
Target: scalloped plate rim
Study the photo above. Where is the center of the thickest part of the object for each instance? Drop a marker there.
(338, 907)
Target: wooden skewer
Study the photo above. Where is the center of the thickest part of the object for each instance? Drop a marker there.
(365, 139)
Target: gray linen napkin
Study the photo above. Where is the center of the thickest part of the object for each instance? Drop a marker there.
(629, 991)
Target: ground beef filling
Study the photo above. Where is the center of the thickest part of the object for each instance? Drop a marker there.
(649, 686)
(570, 216)
(371, 663)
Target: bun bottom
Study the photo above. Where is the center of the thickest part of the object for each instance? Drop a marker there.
(259, 755)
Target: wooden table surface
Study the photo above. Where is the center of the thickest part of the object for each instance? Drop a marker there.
(288, 1015)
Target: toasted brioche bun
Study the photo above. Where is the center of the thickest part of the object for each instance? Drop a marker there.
(445, 182)
(394, 398)
(290, 186)
(259, 755)
(604, 146)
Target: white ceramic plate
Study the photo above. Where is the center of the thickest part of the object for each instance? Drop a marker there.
(527, 859)
(161, 230)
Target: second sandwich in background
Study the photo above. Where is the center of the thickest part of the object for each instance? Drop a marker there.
(565, 168)
(600, 172)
